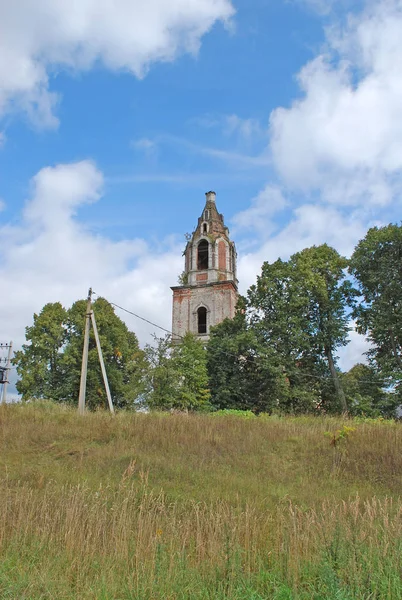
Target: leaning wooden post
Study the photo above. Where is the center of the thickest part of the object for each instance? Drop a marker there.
(10, 350)
(84, 365)
(102, 364)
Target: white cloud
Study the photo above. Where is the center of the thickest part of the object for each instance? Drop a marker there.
(207, 121)
(355, 351)
(239, 159)
(314, 224)
(59, 191)
(344, 136)
(52, 257)
(39, 38)
(144, 144)
(309, 225)
(244, 128)
(147, 148)
(2, 205)
(258, 217)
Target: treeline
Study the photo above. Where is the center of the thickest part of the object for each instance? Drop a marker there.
(279, 354)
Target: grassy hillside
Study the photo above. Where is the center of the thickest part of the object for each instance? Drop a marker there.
(197, 507)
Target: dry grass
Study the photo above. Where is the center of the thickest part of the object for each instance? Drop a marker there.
(176, 507)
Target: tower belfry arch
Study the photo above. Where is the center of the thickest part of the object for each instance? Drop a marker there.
(209, 294)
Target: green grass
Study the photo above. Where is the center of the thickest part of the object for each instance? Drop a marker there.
(197, 507)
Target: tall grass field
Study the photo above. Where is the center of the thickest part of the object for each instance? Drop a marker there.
(177, 507)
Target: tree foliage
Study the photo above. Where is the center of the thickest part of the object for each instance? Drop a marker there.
(377, 267)
(49, 364)
(320, 276)
(243, 373)
(367, 393)
(177, 377)
(40, 364)
(299, 309)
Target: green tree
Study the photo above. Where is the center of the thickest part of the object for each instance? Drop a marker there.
(243, 373)
(377, 267)
(50, 365)
(40, 362)
(276, 313)
(299, 309)
(367, 392)
(190, 361)
(177, 377)
(320, 275)
(161, 377)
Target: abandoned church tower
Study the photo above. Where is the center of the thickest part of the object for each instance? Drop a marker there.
(208, 293)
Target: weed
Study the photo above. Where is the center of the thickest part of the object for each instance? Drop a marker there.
(338, 441)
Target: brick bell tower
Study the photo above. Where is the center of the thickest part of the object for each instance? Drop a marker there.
(208, 293)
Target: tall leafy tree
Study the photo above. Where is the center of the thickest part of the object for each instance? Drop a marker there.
(190, 361)
(49, 366)
(161, 377)
(368, 392)
(320, 275)
(276, 312)
(299, 308)
(377, 267)
(177, 377)
(244, 374)
(40, 364)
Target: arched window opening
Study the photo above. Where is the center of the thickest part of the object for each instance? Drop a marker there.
(202, 320)
(205, 228)
(203, 255)
(206, 215)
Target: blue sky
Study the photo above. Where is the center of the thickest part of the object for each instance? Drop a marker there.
(246, 70)
(116, 118)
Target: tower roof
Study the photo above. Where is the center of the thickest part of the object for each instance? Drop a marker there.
(214, 220)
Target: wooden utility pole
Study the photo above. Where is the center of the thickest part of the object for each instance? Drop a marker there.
(84, 366)
(7, 371)
(102, 364)
(90, 317)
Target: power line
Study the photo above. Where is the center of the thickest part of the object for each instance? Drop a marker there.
(141, 318)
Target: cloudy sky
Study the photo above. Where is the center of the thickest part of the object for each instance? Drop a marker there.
(116, 116)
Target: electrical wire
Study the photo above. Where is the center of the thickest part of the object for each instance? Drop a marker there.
(139, 317)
